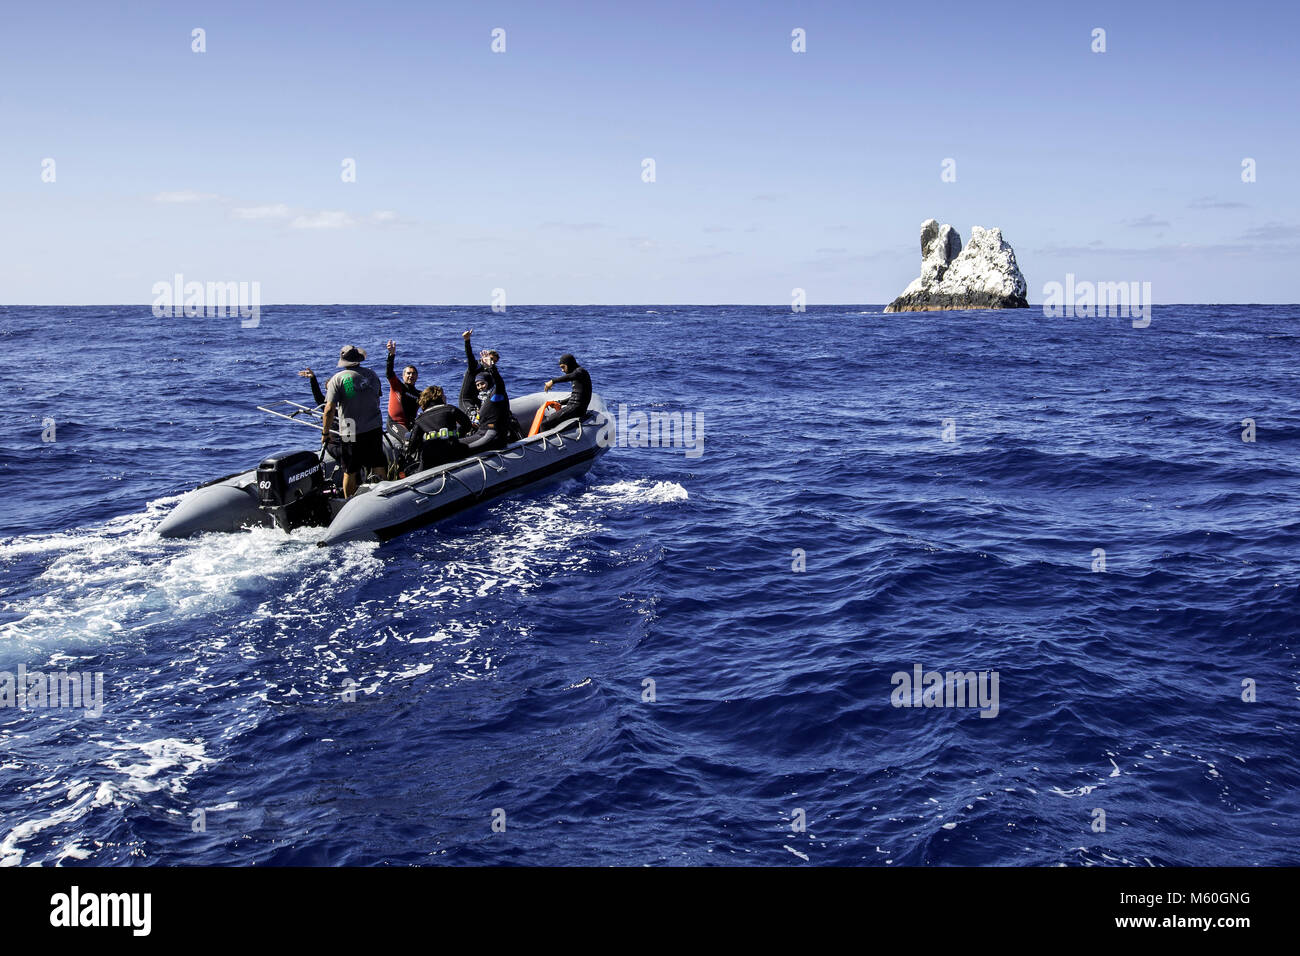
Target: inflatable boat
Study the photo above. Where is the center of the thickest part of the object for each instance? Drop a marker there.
(303, 488)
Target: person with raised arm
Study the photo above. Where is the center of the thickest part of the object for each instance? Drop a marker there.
(485, 361)
(316, 393)
(403, 396)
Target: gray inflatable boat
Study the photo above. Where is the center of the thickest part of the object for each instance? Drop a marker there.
(301, 488)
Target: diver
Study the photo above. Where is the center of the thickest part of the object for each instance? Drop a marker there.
(575, 406)
(332, 446)
(434, 438)
(485, 360)
(494, 418)
(354, 393)
(403, 396)
(316, 393)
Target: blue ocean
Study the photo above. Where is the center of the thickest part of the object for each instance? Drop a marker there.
(684, 657)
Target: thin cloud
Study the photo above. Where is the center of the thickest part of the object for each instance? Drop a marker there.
(1208, 202)
(1147, 222)
(184, 196)
(271, 211)
(1167, 250)
(325, 219)
(316, 218)
(1271, 231)
(573, 226)
(387, 217)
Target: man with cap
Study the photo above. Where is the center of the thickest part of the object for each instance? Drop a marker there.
(575, 406)
(355, 393)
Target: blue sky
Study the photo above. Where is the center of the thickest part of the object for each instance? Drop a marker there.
(522, 170)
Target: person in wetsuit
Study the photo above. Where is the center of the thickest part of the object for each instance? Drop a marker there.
(403, 396)
(485, 361)
(433, 439)
(575, 406)
(493, 431)
(316, 393)
(333, 447)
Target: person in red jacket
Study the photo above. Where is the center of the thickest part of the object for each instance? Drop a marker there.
(403, 396)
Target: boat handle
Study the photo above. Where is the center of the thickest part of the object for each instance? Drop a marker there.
(430, 494)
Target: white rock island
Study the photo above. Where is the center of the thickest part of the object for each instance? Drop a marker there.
(984, 275)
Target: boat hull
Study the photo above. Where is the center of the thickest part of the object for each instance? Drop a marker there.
(392, 508)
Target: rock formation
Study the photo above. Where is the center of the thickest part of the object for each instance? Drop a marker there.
(984, 275)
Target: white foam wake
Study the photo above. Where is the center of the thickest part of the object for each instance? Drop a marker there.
(133, 770)
(104, 580)
(630, 492)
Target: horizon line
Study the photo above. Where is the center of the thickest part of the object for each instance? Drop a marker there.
(550, 305)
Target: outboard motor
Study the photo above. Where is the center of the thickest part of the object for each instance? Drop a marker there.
(291, 487)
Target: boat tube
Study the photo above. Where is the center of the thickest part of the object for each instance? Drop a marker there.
(302, 488)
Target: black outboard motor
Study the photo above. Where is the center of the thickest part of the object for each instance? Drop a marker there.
(291, 487)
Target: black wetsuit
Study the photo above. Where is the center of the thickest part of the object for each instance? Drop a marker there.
(575, 406)
(332, 447)
(469, 400)
(494, 420)
(433, 438)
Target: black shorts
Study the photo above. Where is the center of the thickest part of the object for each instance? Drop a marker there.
(366, 452)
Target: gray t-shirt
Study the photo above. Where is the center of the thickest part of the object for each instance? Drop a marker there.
(357, 392)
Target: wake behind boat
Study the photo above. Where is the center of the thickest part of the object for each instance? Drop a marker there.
(303, 488)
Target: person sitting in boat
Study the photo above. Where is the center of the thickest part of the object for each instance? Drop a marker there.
(434, 438)
(575, 406)
(403, 396)
(475, 365)
(493, 431)
(354, 394)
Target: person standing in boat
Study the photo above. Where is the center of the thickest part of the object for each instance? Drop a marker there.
(575, 406)
(354, 394)
(403, 396)
(434, 438)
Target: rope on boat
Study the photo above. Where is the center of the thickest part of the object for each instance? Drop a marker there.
(542, 444)
(430, 494)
